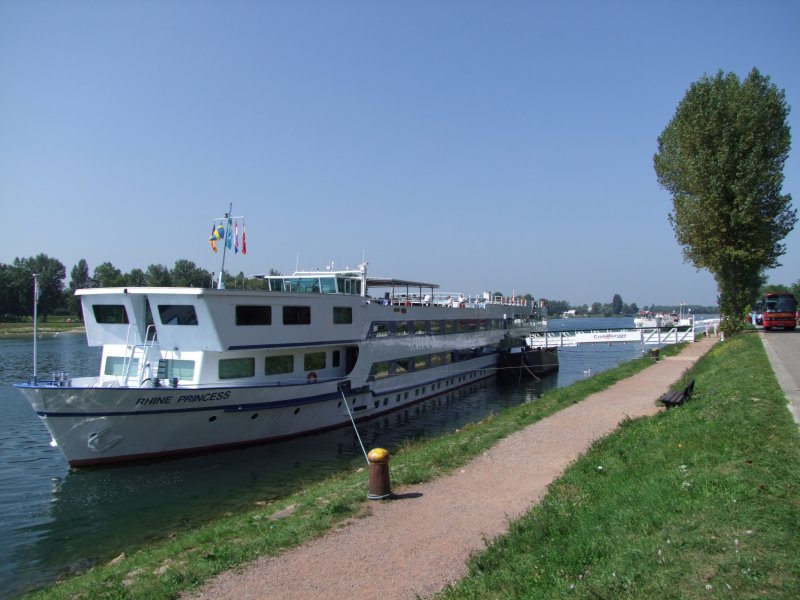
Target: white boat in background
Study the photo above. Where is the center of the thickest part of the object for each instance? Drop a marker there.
(191, 369)
(647, 319)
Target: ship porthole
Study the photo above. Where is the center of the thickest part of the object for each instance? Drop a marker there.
(296, 410)
(254, 416)
(212, 419)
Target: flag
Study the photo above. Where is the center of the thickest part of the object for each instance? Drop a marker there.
(215, 235)
(244, 240)
(236, 237)
(229, 236)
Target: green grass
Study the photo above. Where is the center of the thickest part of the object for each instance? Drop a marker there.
(54, 324)
(700, 501)
(186, 559)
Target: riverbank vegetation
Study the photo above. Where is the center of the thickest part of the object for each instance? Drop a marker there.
(704, 495)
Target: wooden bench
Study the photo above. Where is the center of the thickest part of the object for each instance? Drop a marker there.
(677, 397)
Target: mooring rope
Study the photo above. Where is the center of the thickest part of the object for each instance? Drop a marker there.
(354, 426)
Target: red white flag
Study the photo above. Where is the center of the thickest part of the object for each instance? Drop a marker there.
(236, 237)
(244, 240)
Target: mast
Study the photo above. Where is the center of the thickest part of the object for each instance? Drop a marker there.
(35, 320)
(221, 281)
(227, 239)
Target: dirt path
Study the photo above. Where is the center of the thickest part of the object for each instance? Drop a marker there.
(416, 544)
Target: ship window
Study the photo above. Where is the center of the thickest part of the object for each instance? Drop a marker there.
(420, 363)
(115, 365)
(402, 328)
(436, 360)
(436, 327)
(314, 361)
(349, 286)
(449, 326)
(234, 368)
(297, 315)
(328, 285)
(420, 327)
(110, 314)
(379, 329)
(177, 314)
(380, 370)
(342, 315)
(253, 315)
(336, 357)
(401, 366)
(182, 369)
(301, 284)
(277, 365)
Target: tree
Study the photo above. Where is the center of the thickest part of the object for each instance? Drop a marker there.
(136, 278)
(51, 274)
(186, 274)
(107, 275)
(158, 276)
(721, 158)
(79, 279)
(616, 304)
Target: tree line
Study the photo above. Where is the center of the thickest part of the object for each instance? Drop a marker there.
(57, 297)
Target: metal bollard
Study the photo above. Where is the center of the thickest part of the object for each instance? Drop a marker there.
(655, 353)
(379, 486)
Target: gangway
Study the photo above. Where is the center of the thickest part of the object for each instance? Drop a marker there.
(639, 335)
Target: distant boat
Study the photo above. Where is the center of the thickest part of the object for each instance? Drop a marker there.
(647, 319)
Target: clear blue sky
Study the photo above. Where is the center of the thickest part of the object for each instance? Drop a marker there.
(480, 145)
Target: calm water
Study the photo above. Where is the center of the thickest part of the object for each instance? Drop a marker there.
(54, 520)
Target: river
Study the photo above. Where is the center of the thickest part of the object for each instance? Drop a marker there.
(55, 520)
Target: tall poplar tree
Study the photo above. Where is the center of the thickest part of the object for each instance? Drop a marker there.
(721, 157)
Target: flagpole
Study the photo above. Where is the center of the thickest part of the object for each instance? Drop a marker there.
(35, 320)
(227, 239)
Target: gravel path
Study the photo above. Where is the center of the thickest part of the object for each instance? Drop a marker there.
(414, 545)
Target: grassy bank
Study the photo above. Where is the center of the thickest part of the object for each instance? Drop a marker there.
(53, 325)
(187, 558)
(700, 501)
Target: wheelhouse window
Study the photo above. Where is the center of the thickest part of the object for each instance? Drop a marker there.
(349, 286)
(342, 315)
(108, 314)
(236, 368)
(328, 285)
(253, 315)
(297, 315)
(278, 365)
(177, 314)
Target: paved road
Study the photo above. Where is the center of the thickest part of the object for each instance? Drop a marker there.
(783, 350)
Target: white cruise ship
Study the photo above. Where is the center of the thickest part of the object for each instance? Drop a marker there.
(191, 369)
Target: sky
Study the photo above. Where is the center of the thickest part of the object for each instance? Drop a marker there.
(501, 146)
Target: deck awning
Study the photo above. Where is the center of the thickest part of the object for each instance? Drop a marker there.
(381, 282)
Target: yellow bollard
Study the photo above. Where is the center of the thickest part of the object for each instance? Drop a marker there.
(379, 486)
(654, 352)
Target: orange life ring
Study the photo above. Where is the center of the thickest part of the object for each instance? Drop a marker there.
(312, 377)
